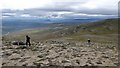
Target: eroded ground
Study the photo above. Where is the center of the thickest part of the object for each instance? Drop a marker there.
(60, 53)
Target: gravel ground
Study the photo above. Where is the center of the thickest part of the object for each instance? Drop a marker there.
(61, 53)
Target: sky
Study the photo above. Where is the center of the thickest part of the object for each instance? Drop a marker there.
(59, 8)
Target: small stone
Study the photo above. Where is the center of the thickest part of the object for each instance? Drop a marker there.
(105, 56)
(24, 64)
(15, 58)
(77, 62)
(40, 56)
(65, 61)
(99, 62)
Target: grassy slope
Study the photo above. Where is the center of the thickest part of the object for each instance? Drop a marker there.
(102, 31)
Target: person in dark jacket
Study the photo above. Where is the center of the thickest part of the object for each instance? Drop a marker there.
(89, 41)
(28, 40)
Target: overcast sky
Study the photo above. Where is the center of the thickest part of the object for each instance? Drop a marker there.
(59, 9)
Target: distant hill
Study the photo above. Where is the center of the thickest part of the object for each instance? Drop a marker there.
(97, 31)
(108, 26)
(100, 30)
(15, 24)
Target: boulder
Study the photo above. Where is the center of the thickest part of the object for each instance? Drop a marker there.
(18, 43)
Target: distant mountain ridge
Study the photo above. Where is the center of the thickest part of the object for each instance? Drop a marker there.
(96, 31)
(16, 24)
(100, 28)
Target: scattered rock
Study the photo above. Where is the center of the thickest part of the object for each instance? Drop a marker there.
(59, 53)
(99, 62)
(24, 64)
(65, 61)
(18, 43)
(105, 56)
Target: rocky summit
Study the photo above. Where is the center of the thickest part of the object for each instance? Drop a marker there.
(60, 53)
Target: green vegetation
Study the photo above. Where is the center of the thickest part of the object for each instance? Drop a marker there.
(105, 31)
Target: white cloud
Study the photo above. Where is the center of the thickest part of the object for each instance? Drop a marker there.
(23, 4)
(90, 4)
(109, 4)
(59, 8)
(64, 12)
(5, 16)
(95, 15)
(9, 14)
(25, 15)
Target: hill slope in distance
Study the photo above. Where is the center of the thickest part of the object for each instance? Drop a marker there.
(96, 31)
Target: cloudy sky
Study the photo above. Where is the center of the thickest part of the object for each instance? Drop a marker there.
(59, 8)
